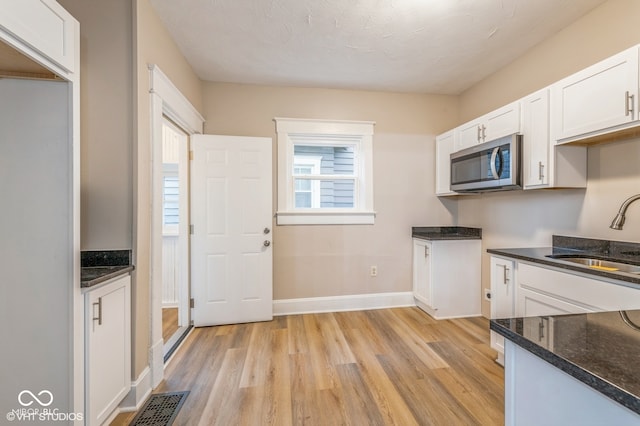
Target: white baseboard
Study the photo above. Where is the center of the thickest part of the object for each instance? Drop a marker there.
(140, 391)
(356, 302)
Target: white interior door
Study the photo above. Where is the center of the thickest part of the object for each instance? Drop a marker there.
(231, 210)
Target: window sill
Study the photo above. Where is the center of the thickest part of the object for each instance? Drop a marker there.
(325, 218)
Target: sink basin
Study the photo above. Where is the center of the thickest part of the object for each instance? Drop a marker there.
(599, 264)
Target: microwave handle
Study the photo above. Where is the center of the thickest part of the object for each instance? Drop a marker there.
(494, 154)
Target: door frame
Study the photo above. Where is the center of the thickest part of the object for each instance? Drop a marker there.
(166, 101)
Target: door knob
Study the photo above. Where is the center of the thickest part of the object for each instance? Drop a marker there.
(267, 243)
(266, 231)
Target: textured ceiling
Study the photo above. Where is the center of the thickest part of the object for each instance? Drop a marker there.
(427, 46)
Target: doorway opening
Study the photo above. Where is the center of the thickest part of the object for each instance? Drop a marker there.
(175, 236)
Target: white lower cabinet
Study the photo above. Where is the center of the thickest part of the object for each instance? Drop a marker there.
(446, 277)
(503, 297)
(108, 348)
(538, 393)
(522, 289)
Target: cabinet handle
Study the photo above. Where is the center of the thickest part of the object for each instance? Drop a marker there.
(479, 133)
(505, 277)
(628, 104)
(484, 133)
(540, 170)
(541, 329)
(99, 318)
(426, 251)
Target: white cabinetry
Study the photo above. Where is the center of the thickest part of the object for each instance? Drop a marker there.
(503, 298)
(596, 99)
(549, 291)
(43, 27)
(108, 348)
(446, 277)
(538, 393)
(444, 148)
(544, 164)
(496, 124)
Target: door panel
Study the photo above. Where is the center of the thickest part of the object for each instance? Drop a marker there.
(231, 208)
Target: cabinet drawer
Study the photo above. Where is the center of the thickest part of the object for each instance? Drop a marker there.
(591, 293)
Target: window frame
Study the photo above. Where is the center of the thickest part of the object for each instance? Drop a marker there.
(294, 131)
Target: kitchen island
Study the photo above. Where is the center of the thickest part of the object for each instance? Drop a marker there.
(585, 373)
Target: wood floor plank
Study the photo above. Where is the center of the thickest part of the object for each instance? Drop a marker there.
(224, 404)
(382, 367)
(391, 405)
(357, 398)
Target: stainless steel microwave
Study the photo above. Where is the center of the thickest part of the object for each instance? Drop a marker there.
(490, 166)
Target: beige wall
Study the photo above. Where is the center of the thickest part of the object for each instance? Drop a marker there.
(529, 218)
(604, 31)
(152, 45)
(106, 127)
(314, 261)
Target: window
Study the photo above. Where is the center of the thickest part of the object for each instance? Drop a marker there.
(170, 199)
(324, 172)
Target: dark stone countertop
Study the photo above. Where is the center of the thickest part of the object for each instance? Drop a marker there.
(598, 349)
(610, 250)
(103, 265)
(446, 233)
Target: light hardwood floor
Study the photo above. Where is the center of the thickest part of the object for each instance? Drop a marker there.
(380, 367)
(169, 322)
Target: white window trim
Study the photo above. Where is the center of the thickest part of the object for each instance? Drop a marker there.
(351, 132)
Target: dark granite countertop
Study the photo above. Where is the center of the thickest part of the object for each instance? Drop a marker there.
(446, 233)
(625, 252)
(598, 349)
(101, 266)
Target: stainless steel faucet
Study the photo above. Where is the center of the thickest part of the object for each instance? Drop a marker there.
(618, 221)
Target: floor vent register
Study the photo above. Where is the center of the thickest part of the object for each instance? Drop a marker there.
(160, 409)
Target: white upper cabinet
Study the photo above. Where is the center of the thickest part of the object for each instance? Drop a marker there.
(597, 100)
(496, 124)
(43, 25)
(535, 143)
(444, 147)
(545, 164)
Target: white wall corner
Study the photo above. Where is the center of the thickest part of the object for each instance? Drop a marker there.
(356, 302)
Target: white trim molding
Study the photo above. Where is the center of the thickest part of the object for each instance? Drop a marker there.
(165, 100)
(175, 105)
(355, 302)
(140, 391)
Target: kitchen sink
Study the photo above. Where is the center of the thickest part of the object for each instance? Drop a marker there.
(599, 264)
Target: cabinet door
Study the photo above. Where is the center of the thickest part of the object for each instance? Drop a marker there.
(502, 295)
(501, 122)
(469, 134)
(532, 304)
(596, 98)
(44, 25)
(422, 272)
(502, 288)
(535, 142)
(444, 148)
(108, 358)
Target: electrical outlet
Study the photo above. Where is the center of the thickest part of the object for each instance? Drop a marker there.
(487, 294)
(374, 271)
